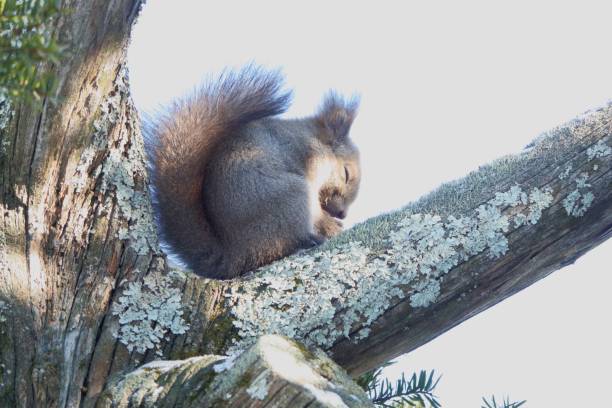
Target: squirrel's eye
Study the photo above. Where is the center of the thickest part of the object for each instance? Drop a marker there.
(346, 175)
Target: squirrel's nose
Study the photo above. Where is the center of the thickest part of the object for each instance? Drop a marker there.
(341, 214)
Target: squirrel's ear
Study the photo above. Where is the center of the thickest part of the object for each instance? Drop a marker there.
(336, 116)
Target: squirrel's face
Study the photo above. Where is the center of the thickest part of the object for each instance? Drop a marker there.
(340, 190)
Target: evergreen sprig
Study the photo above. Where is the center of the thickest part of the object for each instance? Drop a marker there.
(416, 391)
(505, 403)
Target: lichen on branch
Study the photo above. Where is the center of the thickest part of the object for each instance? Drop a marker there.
(149, 312)
(301, 296)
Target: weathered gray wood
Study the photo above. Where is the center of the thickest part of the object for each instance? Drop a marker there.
(274, 373)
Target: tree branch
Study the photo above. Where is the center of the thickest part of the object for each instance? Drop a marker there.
(397, 281)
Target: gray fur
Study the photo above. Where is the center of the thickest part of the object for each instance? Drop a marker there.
(233, 185)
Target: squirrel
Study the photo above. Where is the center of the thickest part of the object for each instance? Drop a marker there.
(235, 187)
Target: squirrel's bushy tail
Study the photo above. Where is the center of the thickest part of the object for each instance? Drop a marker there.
(179, 143)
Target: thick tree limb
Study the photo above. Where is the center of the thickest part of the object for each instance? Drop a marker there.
(370, 302)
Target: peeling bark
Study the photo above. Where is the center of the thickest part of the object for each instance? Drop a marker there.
(86, 293)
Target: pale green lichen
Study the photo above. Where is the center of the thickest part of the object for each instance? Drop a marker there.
(259, 387)
(426, 293)
(123, 165)
(148, 312)
(6, 111)
(121, 173)
(4, 308)
(287, 299)
(513, 197)
(298, 296)
(566, 172)
(538, 201)
(581, 181)
(598, 150)
(578, 201)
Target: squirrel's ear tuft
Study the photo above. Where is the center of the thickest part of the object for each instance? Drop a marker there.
(336, 115)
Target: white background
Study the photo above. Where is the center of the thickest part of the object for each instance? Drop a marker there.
(445, 86)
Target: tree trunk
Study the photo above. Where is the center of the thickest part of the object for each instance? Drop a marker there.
(85, 291)
(75, 214)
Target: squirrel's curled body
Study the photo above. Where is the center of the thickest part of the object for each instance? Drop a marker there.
(236, 188)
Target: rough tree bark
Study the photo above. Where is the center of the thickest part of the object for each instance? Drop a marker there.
(86, 293)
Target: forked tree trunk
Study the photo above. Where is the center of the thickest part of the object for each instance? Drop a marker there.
(85, 291)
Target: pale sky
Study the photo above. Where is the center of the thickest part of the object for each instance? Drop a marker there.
(445, 87)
